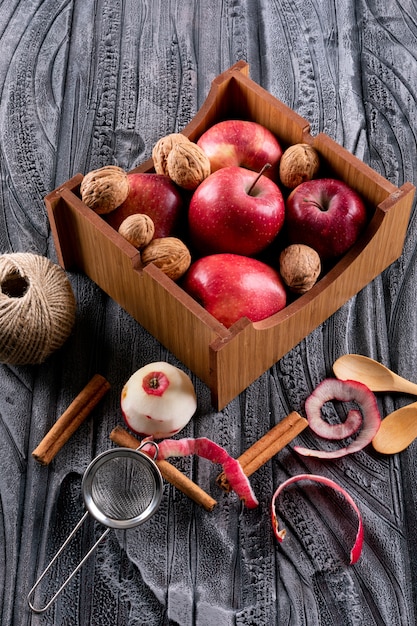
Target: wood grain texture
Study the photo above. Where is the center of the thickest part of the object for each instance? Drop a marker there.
(85, 84)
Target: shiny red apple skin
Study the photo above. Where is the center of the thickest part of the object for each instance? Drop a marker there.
(243, 143)
(155, 195)
(325, 214)
(231, 286)
(224, 217)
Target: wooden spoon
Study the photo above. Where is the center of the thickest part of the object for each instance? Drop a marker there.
(372, 374)
(399, 428)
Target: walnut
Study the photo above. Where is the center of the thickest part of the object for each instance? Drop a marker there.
(300, 267)
(104, 189)
(299, 163)
(170, 254)
(188, 165)
(138, 229)
(163, 147)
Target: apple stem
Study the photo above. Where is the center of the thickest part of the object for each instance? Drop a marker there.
(265, 167)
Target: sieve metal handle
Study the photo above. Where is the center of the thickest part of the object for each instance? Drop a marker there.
(36, 609)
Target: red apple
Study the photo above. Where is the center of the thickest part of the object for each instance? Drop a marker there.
(242, 143)
(325, 214)
(231, 286)
(225, 215)
(156, 196)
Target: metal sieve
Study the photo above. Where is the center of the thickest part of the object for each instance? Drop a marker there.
(122, 488)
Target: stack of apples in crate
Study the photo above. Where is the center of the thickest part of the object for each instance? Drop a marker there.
(243, 224)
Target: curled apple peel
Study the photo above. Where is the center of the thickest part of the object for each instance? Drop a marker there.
(207, 449)
(280, 534)
(367, 419)
(159, 399)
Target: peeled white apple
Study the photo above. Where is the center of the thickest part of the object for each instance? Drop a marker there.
(158, 400)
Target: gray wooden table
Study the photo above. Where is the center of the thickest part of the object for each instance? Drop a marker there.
(85, 84)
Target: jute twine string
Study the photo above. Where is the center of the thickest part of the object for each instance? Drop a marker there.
(37, 308)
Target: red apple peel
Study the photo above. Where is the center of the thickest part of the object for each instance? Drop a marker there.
(207, 449)
(367, 419)
(280, 534)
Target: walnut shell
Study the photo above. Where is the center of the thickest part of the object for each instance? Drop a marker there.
(138, 229)
(104, 189)
(300, 267)
(162, 148)
(170, 254)
(299, 163)
(188, 165)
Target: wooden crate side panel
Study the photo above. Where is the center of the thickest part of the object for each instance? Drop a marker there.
(179, 324)
(55, 207)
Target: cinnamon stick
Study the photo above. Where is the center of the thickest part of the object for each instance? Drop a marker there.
(123, 438)
(71, 419)
(268, 446)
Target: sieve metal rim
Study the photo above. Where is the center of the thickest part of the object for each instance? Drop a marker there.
(94, 466)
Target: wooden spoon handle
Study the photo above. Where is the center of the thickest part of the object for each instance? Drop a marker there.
(404, 385)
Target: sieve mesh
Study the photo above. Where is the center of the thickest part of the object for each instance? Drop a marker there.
(123, 487)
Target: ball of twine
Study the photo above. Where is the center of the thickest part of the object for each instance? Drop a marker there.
(37, 308)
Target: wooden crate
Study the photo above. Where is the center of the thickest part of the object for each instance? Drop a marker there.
(228, 360)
